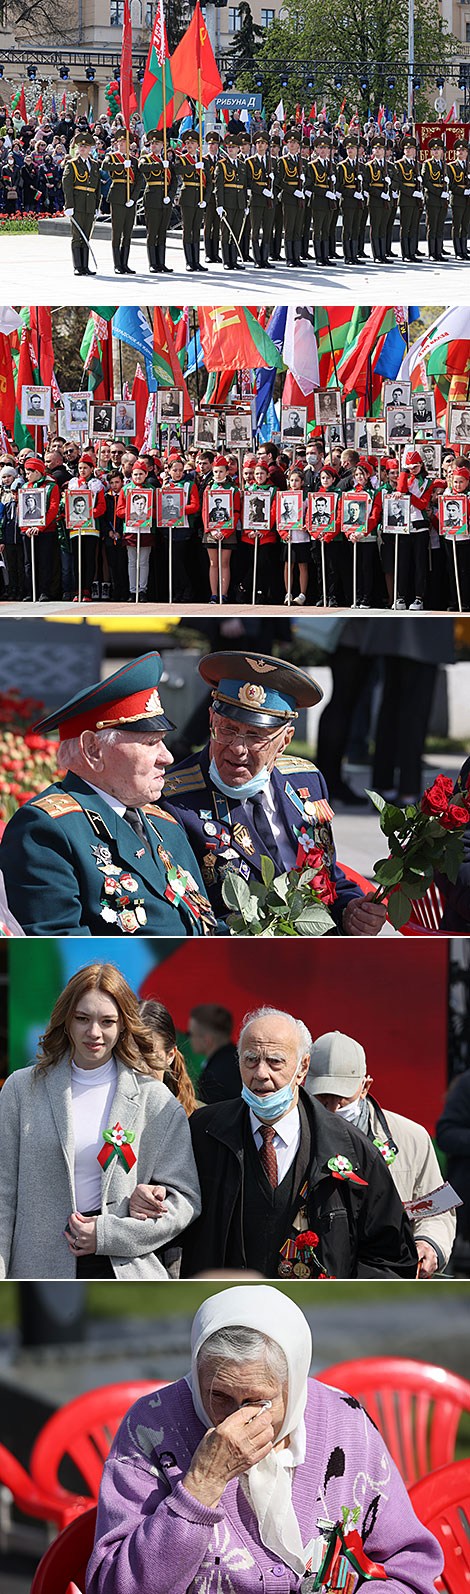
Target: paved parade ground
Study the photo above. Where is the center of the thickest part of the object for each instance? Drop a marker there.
(44, 262)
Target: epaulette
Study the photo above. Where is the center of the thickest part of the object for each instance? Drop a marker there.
(191, 779)
(58, 805)
(158, 813)
(289, 765)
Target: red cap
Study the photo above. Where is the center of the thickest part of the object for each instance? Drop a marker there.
(87, 459)
(412, 460)
(391, 464)
(250, 461)
(298, 464)
(220, 460)
(365, 465)
(140, 467)
(33, 462)
(462, 470)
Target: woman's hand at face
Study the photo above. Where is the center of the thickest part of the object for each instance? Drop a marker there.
(242, 1439)
(80, 1235)
(148, 1201)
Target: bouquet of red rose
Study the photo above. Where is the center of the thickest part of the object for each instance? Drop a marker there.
(423, 839)
(294, 903)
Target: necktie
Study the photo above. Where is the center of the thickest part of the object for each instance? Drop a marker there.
(265, 834)
(134, 819)
(268, 1154)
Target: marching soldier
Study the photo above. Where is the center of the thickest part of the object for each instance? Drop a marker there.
(407, 179)
(211, 219)
(157, 203)
(190, 169)
(95, 854)
(231, 202)
(81, 184)
(349, 187)
(459, 183)
(276, 239)
(318, 179)
(119, 165)
(244, 144)
(259, 177)
(290, 183)
(437, 194)
(378, 185)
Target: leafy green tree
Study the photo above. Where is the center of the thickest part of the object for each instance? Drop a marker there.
(243, 54)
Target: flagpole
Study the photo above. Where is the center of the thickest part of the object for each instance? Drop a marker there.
(199, 101)
(165, 157)
(128, 175)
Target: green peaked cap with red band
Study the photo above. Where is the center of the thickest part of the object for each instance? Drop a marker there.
(127, 699)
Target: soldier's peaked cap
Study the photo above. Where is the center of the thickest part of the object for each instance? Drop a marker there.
(258, 689)
(126, 700)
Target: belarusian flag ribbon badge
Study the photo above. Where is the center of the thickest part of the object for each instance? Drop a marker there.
(117, 1144)
(342, 1168)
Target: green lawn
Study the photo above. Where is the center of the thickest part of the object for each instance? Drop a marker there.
(170, 1299)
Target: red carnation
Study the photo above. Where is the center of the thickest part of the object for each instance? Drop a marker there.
(309, 1238)
(454, 818)
(435, 800)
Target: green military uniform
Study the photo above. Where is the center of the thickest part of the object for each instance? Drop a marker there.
(377, 186)
(318, 179)
(334, 205)
(122, 212)
(259, 179)
(278, 219)
(393, 206)
(437, 193)
(157, 206)
(230, 187)
(364, 210)
(192, 207)
(243, 157)
(75, 865)
(290, 184)
(349, 187)
(81, 184)
(407, 179)
(305, 153)
(459, 184)
(211, 219)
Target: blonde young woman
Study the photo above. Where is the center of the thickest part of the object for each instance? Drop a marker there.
(78, 1130)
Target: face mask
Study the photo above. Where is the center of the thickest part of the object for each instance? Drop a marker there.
(250, 787)
(351, 1111)
(268, 1108)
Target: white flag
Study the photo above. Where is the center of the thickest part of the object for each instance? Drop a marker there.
(9, 320)
(300, 352)
(279, 112)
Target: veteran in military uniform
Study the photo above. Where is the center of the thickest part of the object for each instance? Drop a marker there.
(289, 185)
(95, 854)
(160, 188)
(120, 166)
(437, 195)
(459, 184)
(230, 188)
(259, 179)
(81, 185)
(407, 179)
(377, 183)
(244, 796)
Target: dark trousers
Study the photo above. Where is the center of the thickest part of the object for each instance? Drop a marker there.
(44, 547)
(191, 217)
(402, 724)
(230, 253)
(350, 672)
(410, 216)
(13, 556)
(262, 218)
(211, 231)
(89, 551)
(463, 570)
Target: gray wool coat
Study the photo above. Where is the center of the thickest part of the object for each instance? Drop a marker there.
(37, 1191)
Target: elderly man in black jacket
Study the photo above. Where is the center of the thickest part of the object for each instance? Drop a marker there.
(288, 1190)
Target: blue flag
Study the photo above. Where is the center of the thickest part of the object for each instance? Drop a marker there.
(265, 378)
(131, 326)
(394, 348)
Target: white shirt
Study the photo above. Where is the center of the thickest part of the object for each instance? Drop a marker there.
(93, 1090)
(286, 1140)
(113, 802)
(278, 828)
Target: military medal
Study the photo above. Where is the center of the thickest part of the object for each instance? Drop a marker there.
(243, 839)
(127, 920)
(209, 828)
(127, 880)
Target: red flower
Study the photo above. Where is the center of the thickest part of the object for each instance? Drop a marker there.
(25, 797)
(324, 887)
(309, 1238)
(435, 800)
(454, 818)
(310, 856)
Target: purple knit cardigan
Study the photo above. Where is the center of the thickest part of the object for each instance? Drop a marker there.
(153, 1538)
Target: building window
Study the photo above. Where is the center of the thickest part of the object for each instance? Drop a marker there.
(267, 19)
(149, 14)
(234, 20)
(116, 13)
(467, 32)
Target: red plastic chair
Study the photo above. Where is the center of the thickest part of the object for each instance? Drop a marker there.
(30, 1498)
(426, 914)
(64, 1565)
(442, 1503)
(416, 1407)
(82, 1430)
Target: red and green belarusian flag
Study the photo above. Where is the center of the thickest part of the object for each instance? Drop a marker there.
(364, 346)
(159, 102)
(27, 375)
(96, 351)
(443, 353)
(18, 104)
(331, 330)
(232, 337)
(166, 365)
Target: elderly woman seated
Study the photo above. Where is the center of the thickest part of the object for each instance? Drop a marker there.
(248, 1475)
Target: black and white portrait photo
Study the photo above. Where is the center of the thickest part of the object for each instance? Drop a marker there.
(396, 393)
(78, 509)
(396, 512)
(321, 512)
(169, 404)
(354, 512)
(431, 456)
(35, 405)
(289, 511)
(32, 506)
(139, 504)
(453, 516)
(76, 414)
(459, 425)
(125, 421)
(102, 420)
(424, 410)
(399, 422)
(256, 510)
(238, 430)
(327, 406)
(170, 506)
(206, 430)
(294, 423)
(219, 506)
(376, 438)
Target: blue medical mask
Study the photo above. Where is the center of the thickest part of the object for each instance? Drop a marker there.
(268, 1108)
(250, 788)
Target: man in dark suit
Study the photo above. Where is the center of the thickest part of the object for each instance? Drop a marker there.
(210, 1033)
(245, 796)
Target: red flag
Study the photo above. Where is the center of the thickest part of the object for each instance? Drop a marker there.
(163, 344)
(193, 65)
(20, 108)
(38, 109)
(7, 385)
(41, 338)
(140, 393)
(292, 394)
(62, 104)
(182, 331)
(128, 99)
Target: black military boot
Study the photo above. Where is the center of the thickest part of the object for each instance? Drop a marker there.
(77, 260)
(87, 270)
(125, 267)
(117, 260)
(167, 270)
(152, 256)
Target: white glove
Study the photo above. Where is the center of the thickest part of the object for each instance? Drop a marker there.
(299, 194)
(167, 200)
(202, 204)
(248, 193)
(220, 210)
(127, 165)
(395, 193)
(68, 212)
(384, 195)
(166, 164)
(417, 193)
(199, 166)
(466, 190)
(308, 193)
(246, 211)
(129, 202)
(357, 194)
(268, 194)
(329, 194)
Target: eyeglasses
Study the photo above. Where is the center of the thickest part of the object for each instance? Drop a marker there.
(226, 731)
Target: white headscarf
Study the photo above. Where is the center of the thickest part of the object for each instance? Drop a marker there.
(270, 1312)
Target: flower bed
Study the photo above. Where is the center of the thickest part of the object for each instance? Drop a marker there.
(27, 759)
(18, 222)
